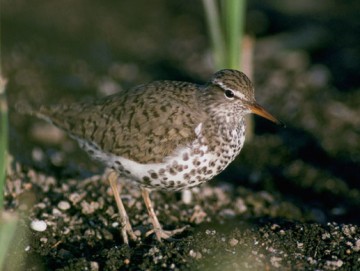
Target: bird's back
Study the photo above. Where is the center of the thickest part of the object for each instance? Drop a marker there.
(144, 124)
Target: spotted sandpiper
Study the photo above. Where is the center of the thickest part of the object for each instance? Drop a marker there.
(166, 135)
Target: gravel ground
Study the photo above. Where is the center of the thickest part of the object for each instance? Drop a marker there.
(290, 201)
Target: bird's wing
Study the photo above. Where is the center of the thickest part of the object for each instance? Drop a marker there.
(145, 124)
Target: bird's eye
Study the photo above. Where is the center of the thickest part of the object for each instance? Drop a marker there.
(229, 94)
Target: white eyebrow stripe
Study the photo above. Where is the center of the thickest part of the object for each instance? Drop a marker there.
(236, 93)
(239, 95)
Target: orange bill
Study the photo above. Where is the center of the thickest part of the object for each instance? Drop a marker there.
(259, 110)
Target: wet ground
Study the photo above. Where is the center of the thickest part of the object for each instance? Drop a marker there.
(290, 201)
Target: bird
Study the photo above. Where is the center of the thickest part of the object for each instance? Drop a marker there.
(162, 135)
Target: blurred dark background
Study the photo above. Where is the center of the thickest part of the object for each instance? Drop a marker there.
(306, 63)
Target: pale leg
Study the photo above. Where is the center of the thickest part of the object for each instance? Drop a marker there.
(160, 233)
(124, 219)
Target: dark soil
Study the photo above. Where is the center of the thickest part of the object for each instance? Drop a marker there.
(289, 202)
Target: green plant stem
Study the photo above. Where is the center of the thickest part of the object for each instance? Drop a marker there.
(8, 227)
(234, 13)
(3, 139)
(215, 31)
(226, 32)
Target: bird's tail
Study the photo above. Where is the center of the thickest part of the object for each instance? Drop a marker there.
(23, 107)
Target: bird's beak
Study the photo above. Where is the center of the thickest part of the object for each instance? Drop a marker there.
(259, 110)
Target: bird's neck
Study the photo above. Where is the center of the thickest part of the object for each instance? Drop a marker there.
(224, 129)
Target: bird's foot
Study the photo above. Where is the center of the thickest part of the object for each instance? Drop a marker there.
(164, 234)
(126, 232)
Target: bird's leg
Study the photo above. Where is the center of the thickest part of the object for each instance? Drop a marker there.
(160, 233)
(124, 219)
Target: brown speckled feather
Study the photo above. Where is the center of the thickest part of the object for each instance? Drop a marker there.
(135, 123)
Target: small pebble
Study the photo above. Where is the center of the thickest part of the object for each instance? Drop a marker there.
(38, 225)
(334, 264)
(311, 260)
(274, 227)
(110, 211)
(41, 205)
(107, 235)
(233, 242)
(210, 232)
(196, 255)
(43, 240)
(37, 154)
(89, 207)
(57, 158)
(64, 205)
(94, 266)
(56, 212)
(240, 206)
(276, 261)
(357, 246)
(66, 231)
(75, 198)
(186, 196)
